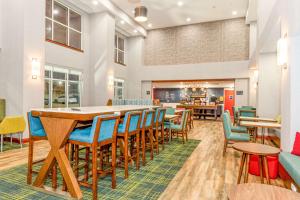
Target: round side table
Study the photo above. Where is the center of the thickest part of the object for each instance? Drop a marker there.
(261, 151)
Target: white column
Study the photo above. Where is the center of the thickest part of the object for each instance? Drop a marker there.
(102, 33)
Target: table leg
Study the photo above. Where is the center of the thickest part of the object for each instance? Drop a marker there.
(263, 135)
(241, 168)
(266, 169)
(58, 131)
(260, 163)
(246, 168)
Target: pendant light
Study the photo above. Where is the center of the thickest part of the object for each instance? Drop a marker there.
(140, 14)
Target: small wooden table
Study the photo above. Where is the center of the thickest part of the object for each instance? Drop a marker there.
(170, 119)
(262, 125)
(58, 124)
(257, 119)
(261, 192)
(255, 149)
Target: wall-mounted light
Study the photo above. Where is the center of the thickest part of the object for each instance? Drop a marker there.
(282, 52)
(35, 68)
(110, 81)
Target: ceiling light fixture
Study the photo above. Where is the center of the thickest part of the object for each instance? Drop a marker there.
(234, 12)
(95, 2)
(140, 14)
(150, 25)
(55, 12)
(179, 3)
(188, 19)
(135, 31)
(122, 22)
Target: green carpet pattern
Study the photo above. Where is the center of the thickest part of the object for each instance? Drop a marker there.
(8, 146)
(147, 183)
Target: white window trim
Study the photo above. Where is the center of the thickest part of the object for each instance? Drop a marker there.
(68, 23)
(119, 87)
(68, 71)
(119, 35)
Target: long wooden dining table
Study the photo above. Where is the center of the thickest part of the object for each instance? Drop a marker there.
(58, 124)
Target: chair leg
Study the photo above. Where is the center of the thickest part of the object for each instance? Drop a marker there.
(64, 185)
(126, 157)
(151, 143)
(1, 143)
(30, 161)
(21, 139)
(94, 173)
(137, 139)
(156, 141)
(113, 165)
(76, 160)
(87, 162)
(143, 147)
(163, 136)
(225, 147)
(11, 139)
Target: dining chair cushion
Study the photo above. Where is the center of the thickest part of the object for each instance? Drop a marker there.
(12, 124)
(291, 164)
(149, 119)
(239, 137)
(36, 127)
(296, 148)
(170, 111)
(87, 134)
(133, 124)
(176, 126)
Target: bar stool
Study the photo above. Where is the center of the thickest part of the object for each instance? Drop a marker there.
(103, 132)
(159, 127)
(37, 133)
(147, 133)
(128, 130)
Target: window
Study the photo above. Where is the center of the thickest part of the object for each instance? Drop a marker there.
(120, 49)
(62, 87)
(118, 89)
(63, 25)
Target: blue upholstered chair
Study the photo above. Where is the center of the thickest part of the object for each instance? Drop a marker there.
(181, 128)
(238, 129)
(159, 119)
(36, 133)
(247, 111)
(147, 133)
(169, 111)
(230, 136)
(102, 133)
(130, 128)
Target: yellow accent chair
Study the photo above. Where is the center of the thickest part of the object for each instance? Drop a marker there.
(12, 125)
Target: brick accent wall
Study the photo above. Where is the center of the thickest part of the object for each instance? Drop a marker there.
(226, 40)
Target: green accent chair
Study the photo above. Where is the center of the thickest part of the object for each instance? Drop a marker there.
(291, 164)
(2, 109)
(247, 111)
(235, 110)
(238, 129)
(230, 136)
(180, 129)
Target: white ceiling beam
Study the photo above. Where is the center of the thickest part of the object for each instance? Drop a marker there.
(251, 15)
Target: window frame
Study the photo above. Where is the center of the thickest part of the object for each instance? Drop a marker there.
(118, 80)
(52, 20)
(117, 49)
(51, 69)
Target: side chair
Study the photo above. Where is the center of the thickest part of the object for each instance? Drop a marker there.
(181, 128)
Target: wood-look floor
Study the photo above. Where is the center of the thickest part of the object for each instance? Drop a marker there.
(205, 175)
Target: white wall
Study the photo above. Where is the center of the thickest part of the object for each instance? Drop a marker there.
(242, 84)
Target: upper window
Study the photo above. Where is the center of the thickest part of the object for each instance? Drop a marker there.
(120, 49)
(63, 25)
(62, 87)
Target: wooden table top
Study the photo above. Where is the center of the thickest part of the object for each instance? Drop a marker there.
(86, 113)
(260, 124)
(257, 191)
(195, 106)
(258, 119)
(256, 148)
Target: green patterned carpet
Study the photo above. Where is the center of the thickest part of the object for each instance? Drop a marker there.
(7, 146)
(147, 183)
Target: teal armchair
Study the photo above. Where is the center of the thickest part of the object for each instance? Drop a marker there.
(247, 111)
(238, 129)
(230, 136)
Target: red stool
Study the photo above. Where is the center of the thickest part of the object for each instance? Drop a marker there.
(273, 165)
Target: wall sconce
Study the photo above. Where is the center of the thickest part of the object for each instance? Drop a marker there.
(111, 81)
(282, 52)
(35, 68)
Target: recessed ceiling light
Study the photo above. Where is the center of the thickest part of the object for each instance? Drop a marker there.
(179, 3)
(122, 22)
(188, 19)
(150, 25)
(135, 31)
(95, 2)
(234, 12)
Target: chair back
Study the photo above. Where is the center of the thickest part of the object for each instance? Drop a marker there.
(247, 112)
(170, 111)
(35, 125)
(160, 115)
(13, 124)
(104, 127)
(132, 122)
(147, 118)
(226, 124)
(184, 119)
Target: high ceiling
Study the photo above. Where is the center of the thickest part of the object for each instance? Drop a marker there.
(167, 13)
